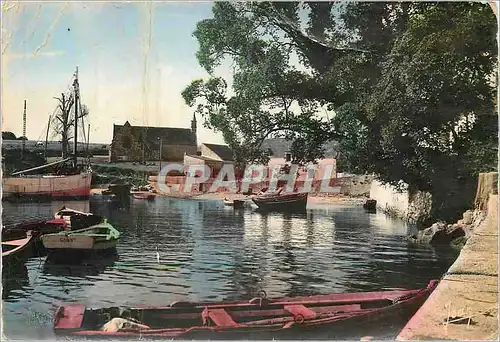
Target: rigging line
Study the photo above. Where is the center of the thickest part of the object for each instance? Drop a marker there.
(48, 35)
(31, 24)
(44, 129)
(146, 52)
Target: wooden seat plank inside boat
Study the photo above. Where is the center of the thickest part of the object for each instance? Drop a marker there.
(220, 317)
(297, 310)
(264, 312)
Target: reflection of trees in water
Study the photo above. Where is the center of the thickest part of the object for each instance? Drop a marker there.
(372, 258)
(14, 278)
(392, 271)
(351, 221)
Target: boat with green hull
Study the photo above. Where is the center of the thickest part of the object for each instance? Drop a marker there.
(99, 237)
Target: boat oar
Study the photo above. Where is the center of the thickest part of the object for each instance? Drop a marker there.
(254, 303)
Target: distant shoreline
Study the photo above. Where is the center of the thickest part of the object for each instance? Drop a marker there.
(313, 197)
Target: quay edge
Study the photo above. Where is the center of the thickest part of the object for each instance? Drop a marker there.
(468, 290)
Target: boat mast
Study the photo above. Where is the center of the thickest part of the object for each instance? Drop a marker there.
(24, 131)
(46, 140)
(88, 141)
(75, 85)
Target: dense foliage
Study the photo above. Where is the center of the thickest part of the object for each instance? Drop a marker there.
(411, 86)
(8, 136)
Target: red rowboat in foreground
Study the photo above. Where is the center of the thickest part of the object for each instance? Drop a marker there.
(258, 318)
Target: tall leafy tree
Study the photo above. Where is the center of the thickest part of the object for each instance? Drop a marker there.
(411, 84)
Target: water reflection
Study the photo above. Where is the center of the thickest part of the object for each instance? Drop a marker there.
(173, 249)
(14, 279)
(91, 266)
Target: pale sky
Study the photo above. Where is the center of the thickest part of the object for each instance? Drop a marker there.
(134, 60)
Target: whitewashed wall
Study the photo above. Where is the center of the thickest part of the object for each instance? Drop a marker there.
(401, 204)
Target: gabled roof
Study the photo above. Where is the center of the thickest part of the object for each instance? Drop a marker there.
(223, 151)
(169, 135)
(202, 158)
(279, 146)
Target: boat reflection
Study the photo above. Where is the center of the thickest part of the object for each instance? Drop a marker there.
(88, 266)
(14, 278)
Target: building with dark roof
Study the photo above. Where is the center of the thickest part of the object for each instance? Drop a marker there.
(143, 143)
(280, 147)
(218, 152)
(212, 155)
(280, 154)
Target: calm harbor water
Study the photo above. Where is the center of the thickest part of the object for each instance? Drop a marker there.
(211, 252)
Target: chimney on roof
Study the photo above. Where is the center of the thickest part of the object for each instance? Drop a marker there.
(193, 129)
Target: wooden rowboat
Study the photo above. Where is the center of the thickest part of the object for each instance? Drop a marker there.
(76, 219)
(143, 195)
(102, 236)
(236, 204)
(17, 251)
(258, 318)
(282, 202)
(40, 227)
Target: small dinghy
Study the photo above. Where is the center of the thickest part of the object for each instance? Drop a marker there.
(18, 250)
(99, 237)
(235, 203)
(77, 219)
(288, 318)
(38, 228)
(143, 195)
(278, 201)
(18, 231)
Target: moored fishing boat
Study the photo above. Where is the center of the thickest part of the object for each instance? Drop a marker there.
(258, 318)
(72, 183)
(99, 237)
(53, 187)
(279, 201)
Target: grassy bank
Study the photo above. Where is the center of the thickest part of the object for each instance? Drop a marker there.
(104, 174)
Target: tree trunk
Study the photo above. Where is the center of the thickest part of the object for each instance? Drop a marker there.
(65, 145)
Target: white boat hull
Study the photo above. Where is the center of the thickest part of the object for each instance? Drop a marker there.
(75, 242)
(64, 187)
